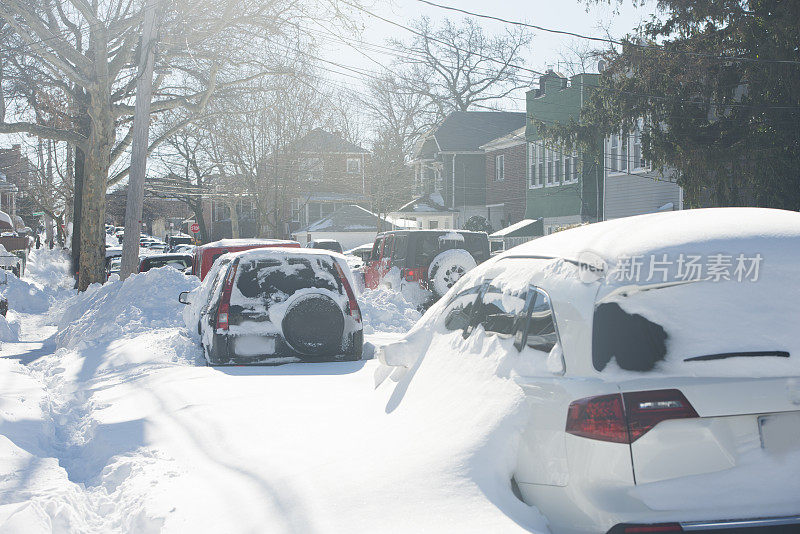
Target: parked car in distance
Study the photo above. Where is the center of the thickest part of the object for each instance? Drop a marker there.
(173, 241)
(325, 244)
(204, 256)
(435, 259)
(113, 266)
(154, 261)
(182, 249)
(655, 401)
(277, 305)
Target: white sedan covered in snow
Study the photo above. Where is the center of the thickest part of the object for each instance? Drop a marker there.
(660, 365)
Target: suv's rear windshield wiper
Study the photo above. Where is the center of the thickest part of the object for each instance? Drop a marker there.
(723, 355)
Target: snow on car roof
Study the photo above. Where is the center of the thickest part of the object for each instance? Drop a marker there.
(697, 231)
(249, 242)
(272, 251)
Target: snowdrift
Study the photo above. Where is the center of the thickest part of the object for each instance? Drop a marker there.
(140, 304)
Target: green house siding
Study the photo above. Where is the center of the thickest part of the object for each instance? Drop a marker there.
(555, 101)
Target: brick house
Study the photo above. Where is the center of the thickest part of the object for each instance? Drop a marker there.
(506, 179)
(320, 173)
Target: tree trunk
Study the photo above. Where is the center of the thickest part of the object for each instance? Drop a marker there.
(77, 208)
(197, 209)
(96, 165)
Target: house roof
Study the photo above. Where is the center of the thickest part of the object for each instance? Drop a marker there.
(425, 204)
(350, 218)
(523, 228)
(321, 141)
(517, 137)
(467, 131)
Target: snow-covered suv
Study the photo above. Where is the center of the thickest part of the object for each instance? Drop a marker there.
(276, 305)
(435, 259)
(655, 364)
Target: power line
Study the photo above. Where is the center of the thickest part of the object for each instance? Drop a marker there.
(607, 40)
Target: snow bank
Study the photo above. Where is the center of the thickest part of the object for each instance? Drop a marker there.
(386, 310)
(142, 303)
(28, 297)
(49, 268)
(9, 331)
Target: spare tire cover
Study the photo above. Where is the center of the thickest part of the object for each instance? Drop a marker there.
(447, 268)
(313, 325)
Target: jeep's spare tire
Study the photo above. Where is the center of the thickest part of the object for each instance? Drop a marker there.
(447, 268)
(313, 325)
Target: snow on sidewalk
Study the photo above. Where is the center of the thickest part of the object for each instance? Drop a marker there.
(124, 430)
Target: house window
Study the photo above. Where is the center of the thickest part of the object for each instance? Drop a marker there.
(540, 175)
(550, 177)
(433, 225)
(638, 160)
(559, 164)
(296, 210)
(572, 176)
(353, 165)
(613, 156)
(567, 169)
(623, 153)
(532, 166)
(499, 168)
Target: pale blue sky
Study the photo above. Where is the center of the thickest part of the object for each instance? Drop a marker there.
(569, 15)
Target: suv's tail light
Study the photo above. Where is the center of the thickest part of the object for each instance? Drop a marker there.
(411, 275)
(352, 303)
(225, 299)
(624, 418)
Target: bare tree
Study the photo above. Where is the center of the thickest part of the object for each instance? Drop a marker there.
(84, 54)
(398, 117)
(578, 57)
(459, 67)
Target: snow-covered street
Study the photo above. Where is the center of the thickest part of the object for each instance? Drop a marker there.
(111, 422)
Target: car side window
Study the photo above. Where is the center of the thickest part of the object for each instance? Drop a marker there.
(387, 247)
(376, 250)
(216, 284)
(458, 312)
(400, 246)
(501, 313)
(541, 326)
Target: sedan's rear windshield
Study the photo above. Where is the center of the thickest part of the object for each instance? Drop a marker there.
(274, 279)
(706, 328)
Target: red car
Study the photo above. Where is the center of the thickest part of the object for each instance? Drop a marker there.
(205, 255)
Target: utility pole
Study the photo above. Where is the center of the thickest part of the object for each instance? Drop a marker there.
(141, 126)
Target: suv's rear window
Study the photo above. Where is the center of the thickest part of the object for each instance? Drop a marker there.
(274, 279)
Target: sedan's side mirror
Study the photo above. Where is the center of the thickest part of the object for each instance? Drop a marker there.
(183, 298)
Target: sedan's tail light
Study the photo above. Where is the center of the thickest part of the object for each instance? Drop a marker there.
(601, 418)
(624, 418)
(645, 409)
